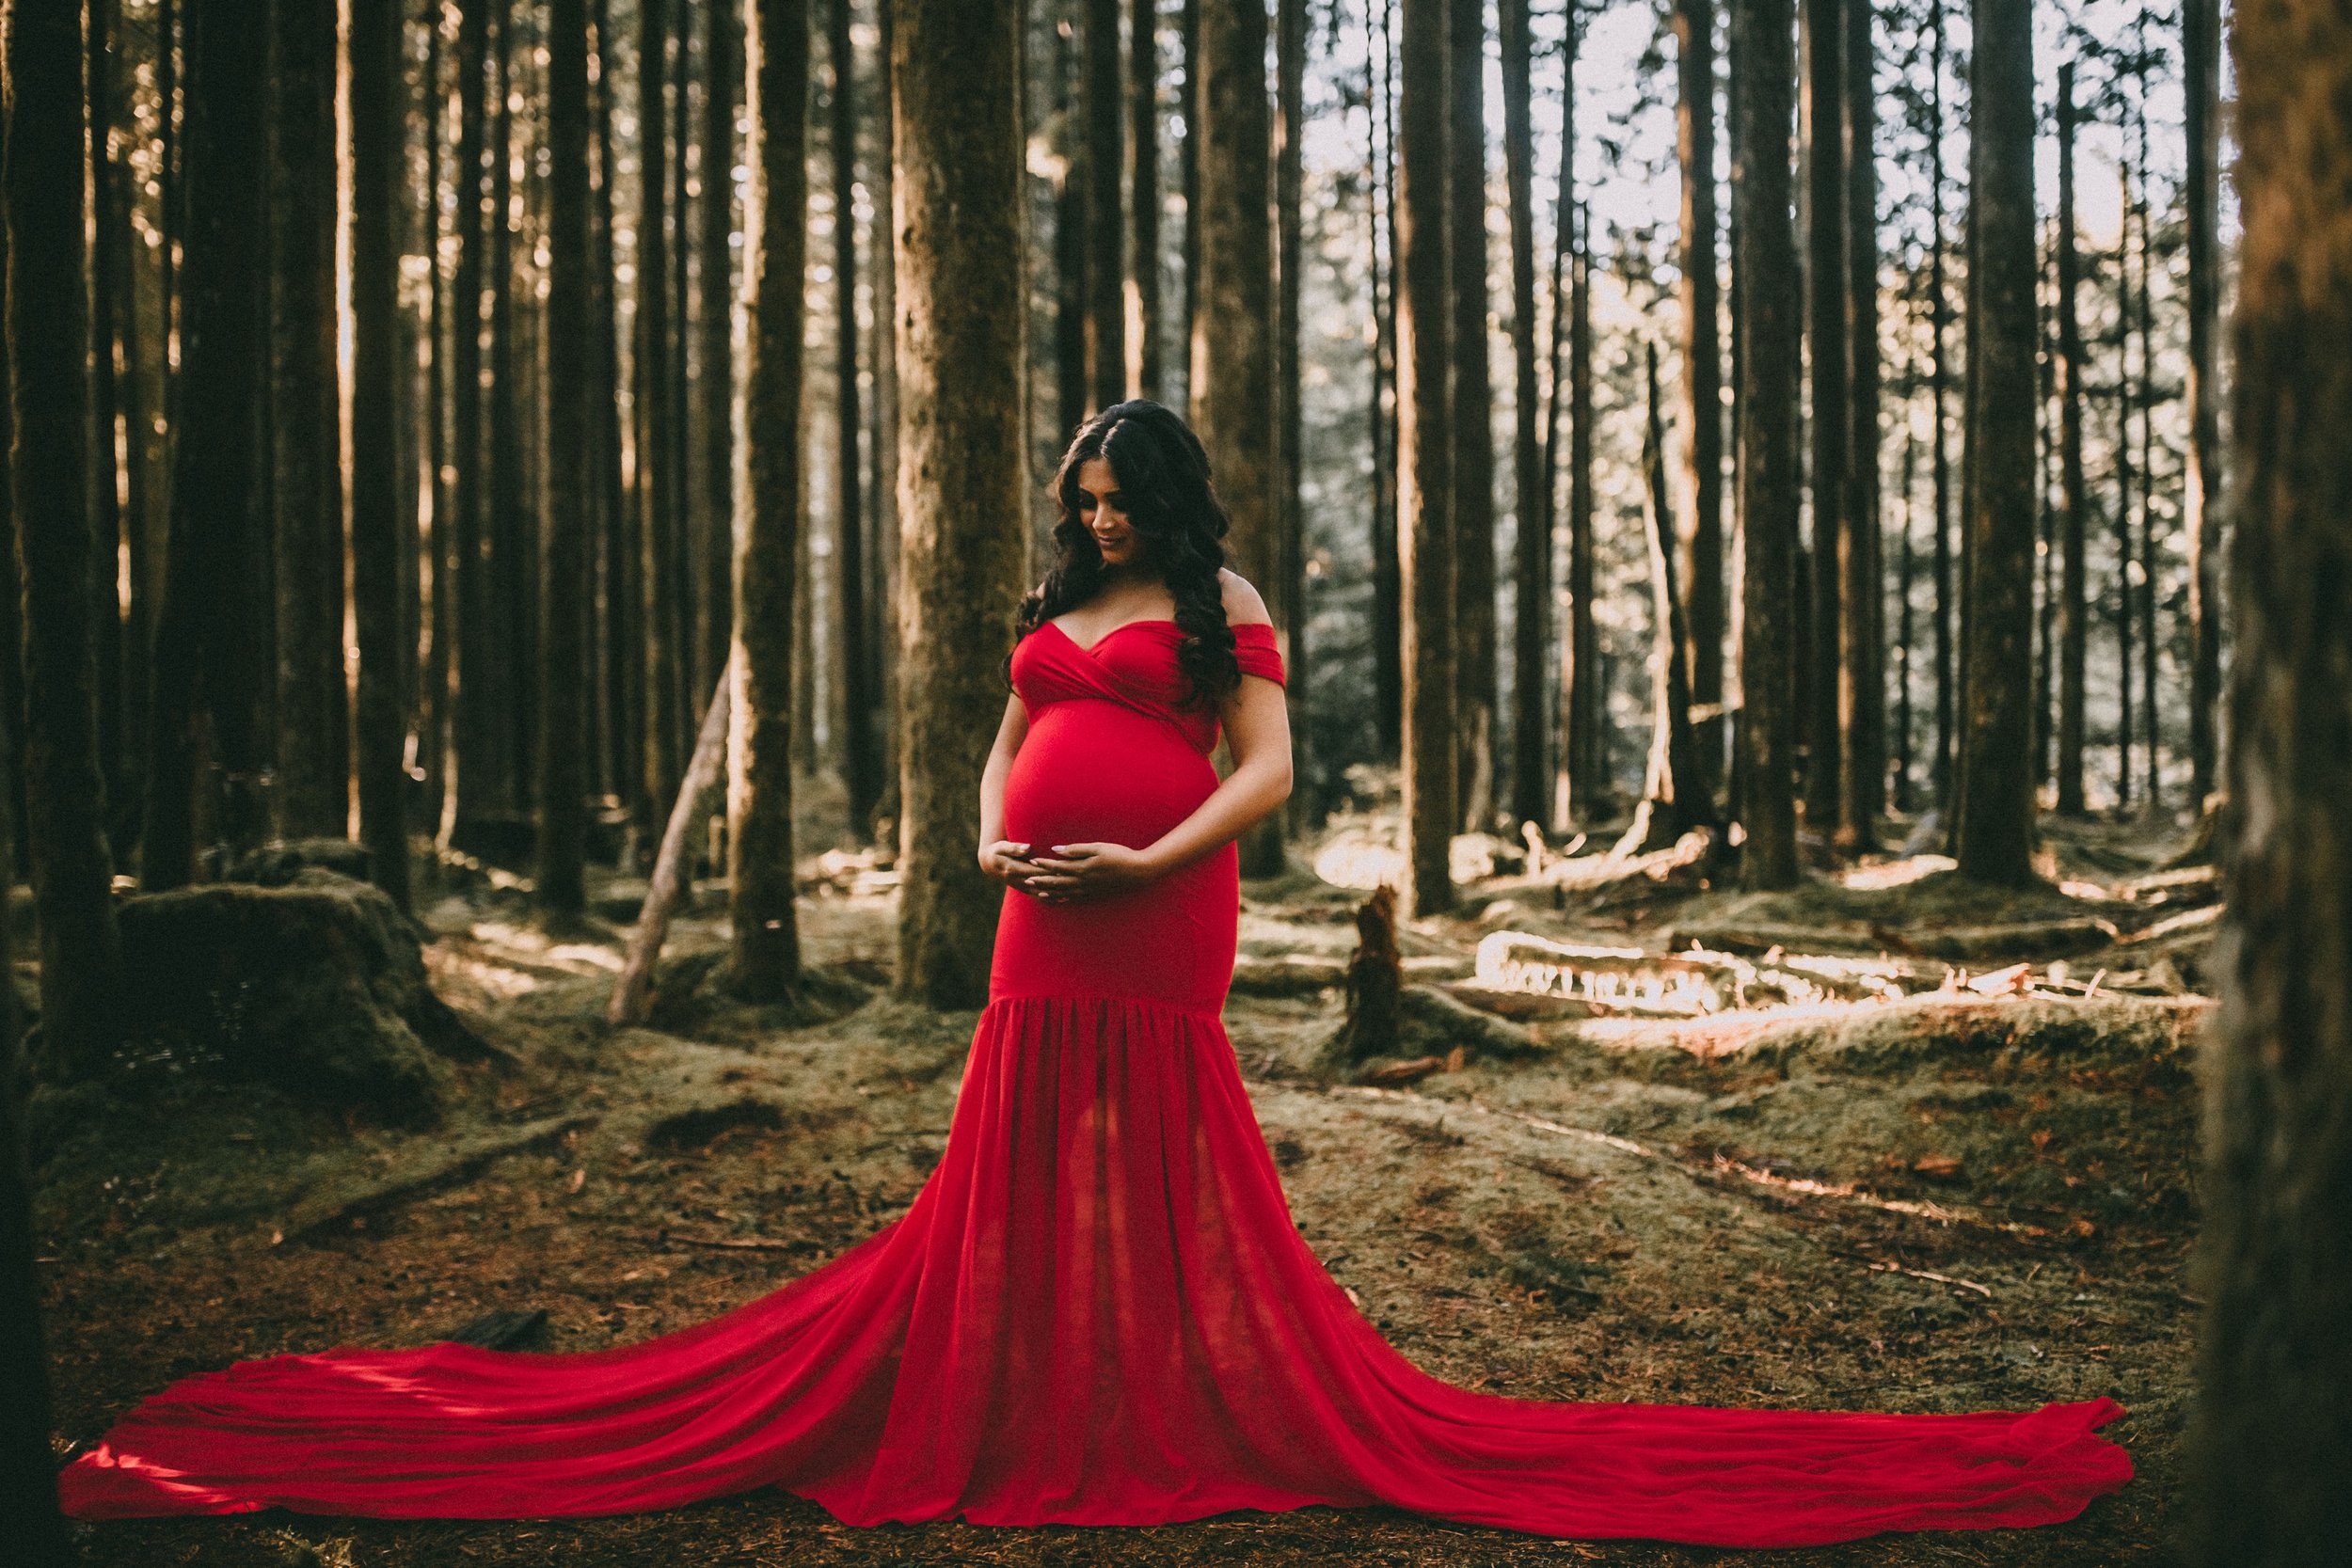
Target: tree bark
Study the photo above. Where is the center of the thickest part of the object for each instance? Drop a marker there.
(1946, 728)
(1473, 420)
(48, 347)
(1290, 426)
(623, 547)
(562, 750)
(2143, 399)
(2200, 52)
(1100, 90)
(476, 710)
(1584, 684)
(860, 749)
(1188, 175)
(1674, 796)
(510, 569)
(883, 262)
(764, 955)
(28, 1475)
(1822, 39)
(1144, 354)
(1425, 551)
(1764, 261)
(1069, 246)
(1702, 546)
(714, 598)
(2272, 1437)
(658, 520)
(2072, 608)
(1861, 641)
(1993, 835)
(961, 494)
(1387, 677)
(1232, 345)
(2126, 602)
(1530, 575)
(305, 490)
(110, 234)
(210, 608)
(379, 149)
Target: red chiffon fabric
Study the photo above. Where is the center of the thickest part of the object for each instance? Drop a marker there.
(1097, 1310)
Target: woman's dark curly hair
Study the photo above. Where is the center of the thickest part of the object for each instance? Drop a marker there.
(1163, 476)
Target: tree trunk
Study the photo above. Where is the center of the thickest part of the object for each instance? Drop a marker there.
(1144, 354)
(1425, 551)
(28, 1475)
(1100, 90)
(477, 712)
(1674, 796)
(1764, 262)
(2201, 75)
(1291, 252)
(561, 772)
(1568, 777)
(109, 278)
(1531, 574)
(883, 262)
(2272, 1438)
(1188, 174)
(658, 518)
(2126, 602)
(510, 570)
(1473, 420)
(1584, 683)
(714, 598)
(1070, 246)
(1232, 346)
(306, 491)
(1861, 641)
(378, 150)
(962, 492)
(1993, 835)
(1946, 671)
(623, 547)
(1388, 676)
(764, 958)
(48, 348)
(210, 609)
(2072, 608)
(1702, 412)
(861, 750)
(2144, 398)
(1822, 38)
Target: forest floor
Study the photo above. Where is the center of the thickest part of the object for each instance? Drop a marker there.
(1969, 1198)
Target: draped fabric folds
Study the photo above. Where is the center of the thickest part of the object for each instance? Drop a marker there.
(1097, 1310)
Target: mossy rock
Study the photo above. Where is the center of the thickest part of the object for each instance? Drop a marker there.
(318, 986)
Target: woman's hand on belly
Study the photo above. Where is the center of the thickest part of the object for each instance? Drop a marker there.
(1075, 873)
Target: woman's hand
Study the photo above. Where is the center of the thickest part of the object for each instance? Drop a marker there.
(1008, 860)
(1076, 872)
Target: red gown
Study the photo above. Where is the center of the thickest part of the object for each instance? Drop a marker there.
(1097, 1310)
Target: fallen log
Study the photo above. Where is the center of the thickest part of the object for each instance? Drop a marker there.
(633, 993)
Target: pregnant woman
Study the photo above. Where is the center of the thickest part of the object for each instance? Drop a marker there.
(1097, 1310)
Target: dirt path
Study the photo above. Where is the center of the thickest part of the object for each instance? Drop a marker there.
(1948, 1205)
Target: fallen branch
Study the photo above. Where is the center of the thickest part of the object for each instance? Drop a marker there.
(731, 1244)
(454, 1165)
(1983, 1291)
(633, 993)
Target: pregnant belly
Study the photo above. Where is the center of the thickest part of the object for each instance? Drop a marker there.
(1092, 771)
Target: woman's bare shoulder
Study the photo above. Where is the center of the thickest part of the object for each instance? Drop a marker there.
(1243, 603)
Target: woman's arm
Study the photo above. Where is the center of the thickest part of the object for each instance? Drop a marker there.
(1258, 731)
(1005, 862)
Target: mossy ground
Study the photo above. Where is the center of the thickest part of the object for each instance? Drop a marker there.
(1729, 1211)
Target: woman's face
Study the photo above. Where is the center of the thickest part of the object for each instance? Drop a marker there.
(1101, 513)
